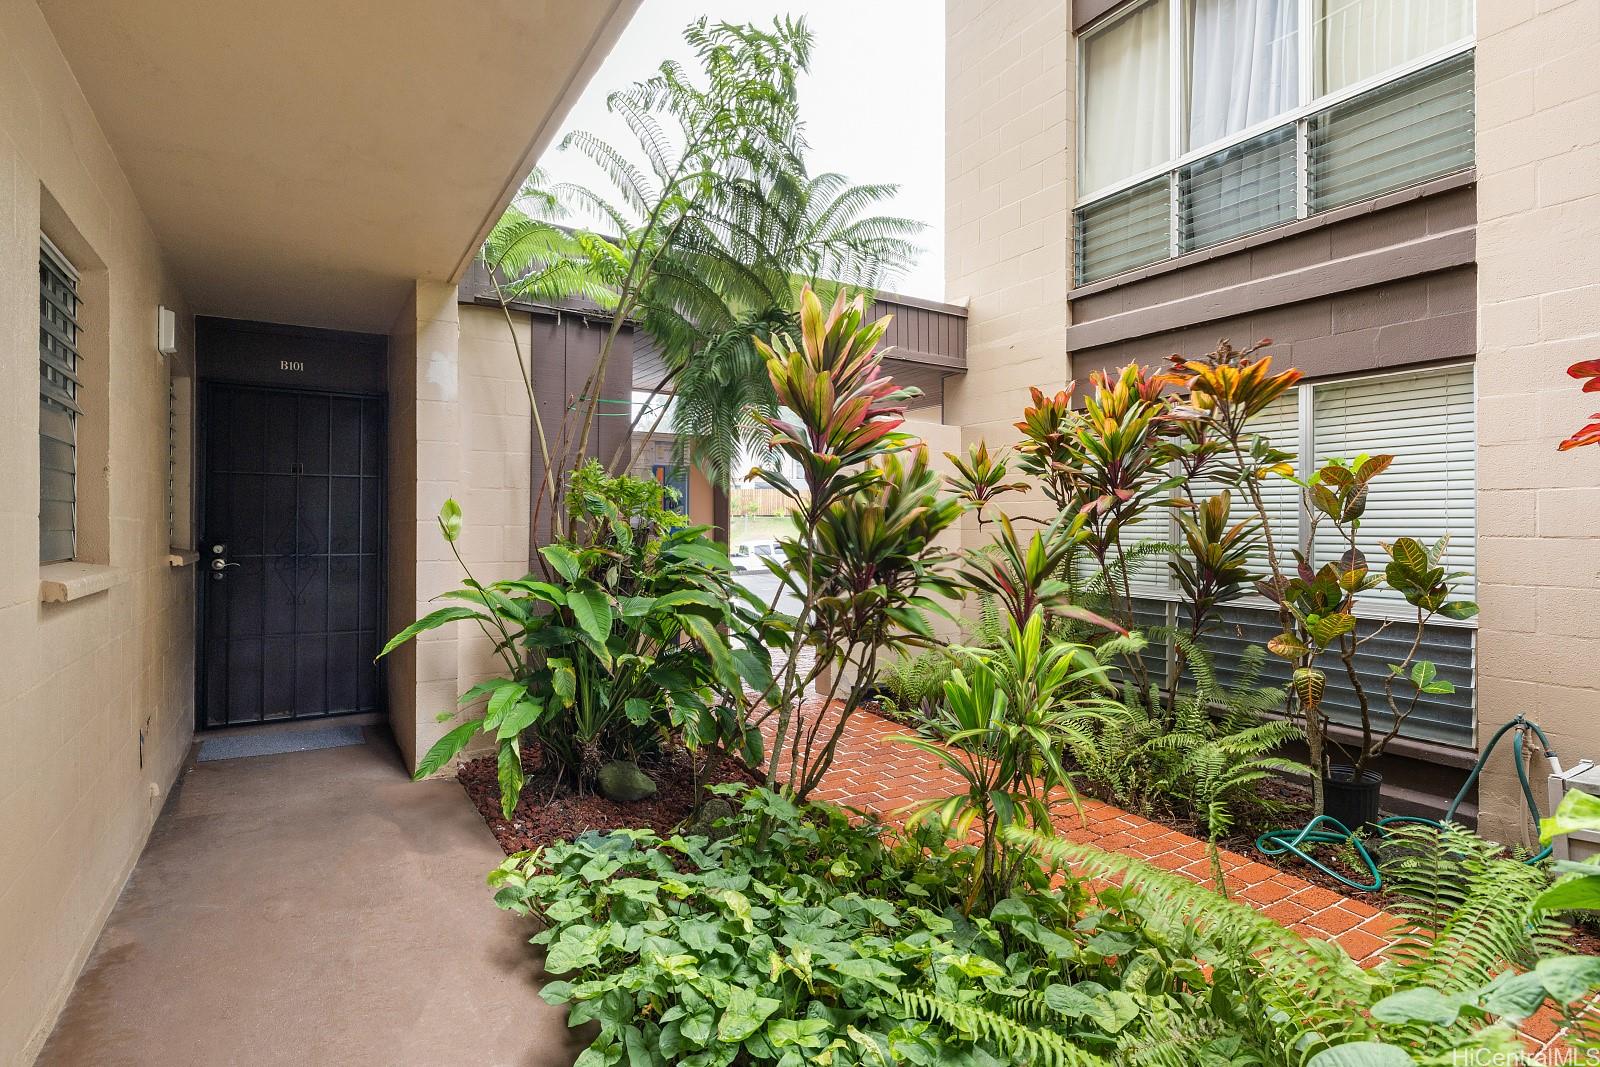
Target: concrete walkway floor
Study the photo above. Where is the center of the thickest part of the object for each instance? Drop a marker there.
(312, 908)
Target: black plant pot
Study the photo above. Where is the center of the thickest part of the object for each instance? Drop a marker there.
(1351, 798)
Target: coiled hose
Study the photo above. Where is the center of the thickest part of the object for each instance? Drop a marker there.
(1324, 830)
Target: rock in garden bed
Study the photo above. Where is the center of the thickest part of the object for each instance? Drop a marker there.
(546, 814)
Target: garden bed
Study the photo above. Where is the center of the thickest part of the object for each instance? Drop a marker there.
(548, 813)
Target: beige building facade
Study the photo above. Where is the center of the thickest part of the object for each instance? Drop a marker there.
(209, 213)
(1399, 195)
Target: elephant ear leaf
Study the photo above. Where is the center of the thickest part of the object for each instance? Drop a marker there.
(1362, 1054)
(431, 621)
(445, 749)
(592, 608)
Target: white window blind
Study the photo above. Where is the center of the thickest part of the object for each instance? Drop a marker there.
(1279, 424)
(1149, 575)
(58, 404)
(1127, 124)
(1426, 421)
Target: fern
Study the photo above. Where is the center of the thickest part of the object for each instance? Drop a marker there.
(1274, 985)
(1030, 1044)
(1203, 751)
(1466, 906)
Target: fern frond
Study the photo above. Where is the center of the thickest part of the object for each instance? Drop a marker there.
(1028, 1044)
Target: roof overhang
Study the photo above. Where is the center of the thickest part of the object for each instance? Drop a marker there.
(305, 161)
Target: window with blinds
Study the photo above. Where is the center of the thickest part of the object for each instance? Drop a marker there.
(59, 387)
(1426, 420)
(1202, 103)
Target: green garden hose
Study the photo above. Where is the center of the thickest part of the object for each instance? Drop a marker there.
(1324, 830)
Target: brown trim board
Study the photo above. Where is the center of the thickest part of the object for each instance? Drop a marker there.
(1425, 255)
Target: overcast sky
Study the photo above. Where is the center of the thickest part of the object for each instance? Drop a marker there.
(873, 103)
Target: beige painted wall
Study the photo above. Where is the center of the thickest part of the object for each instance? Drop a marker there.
(458, 427)
(1010, 92)
(1538, 102)
(96, 694)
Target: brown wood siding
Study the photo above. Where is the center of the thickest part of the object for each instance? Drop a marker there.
(565, 350)
(924, 332)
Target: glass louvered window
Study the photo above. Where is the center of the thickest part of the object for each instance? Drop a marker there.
(59, 389)
(1426, 420)
(1201, 121)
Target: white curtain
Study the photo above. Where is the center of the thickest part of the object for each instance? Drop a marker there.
(1244, 65)
(1359, 39)
(1127, 98)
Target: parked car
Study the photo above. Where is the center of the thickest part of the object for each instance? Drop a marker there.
(746, 557)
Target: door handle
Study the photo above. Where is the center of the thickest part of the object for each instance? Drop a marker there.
(220, 564)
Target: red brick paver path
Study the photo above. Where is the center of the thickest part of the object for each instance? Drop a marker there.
(874, 772)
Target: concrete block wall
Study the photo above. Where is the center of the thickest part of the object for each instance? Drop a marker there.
(96, 694)
(1538, 144)
(458, 428)
(1010, 97)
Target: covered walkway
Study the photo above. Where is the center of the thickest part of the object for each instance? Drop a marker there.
(312, 907)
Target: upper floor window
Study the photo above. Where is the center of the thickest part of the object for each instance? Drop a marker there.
(1203, 120)
(58, 404)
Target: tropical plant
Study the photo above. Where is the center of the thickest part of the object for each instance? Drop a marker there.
(862, 559)
(621, 651)
(1006, 715)
(1589, 433)
(1106, 466)
(1024, 581)
(912, 684)
(786, 230)
(801, 936)
(666, 263)
(1321, 604)
(1447, 992)
(1203, 754)
(980, 478)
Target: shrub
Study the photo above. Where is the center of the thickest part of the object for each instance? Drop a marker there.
(823, 941)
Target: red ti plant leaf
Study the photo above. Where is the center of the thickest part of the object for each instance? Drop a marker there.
(1590, 433)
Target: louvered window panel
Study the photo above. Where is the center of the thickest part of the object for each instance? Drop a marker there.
(1447, 719)
(1125, 231)
(1409, 131)
(1426, 421)
(1239, 190)
(58, 404)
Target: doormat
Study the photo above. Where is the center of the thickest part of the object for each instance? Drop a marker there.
(274, 742)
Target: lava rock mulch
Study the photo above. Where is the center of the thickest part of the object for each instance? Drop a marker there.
(547, 814)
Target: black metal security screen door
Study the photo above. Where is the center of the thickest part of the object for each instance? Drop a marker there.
(293, 557)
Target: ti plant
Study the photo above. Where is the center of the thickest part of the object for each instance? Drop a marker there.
(862, 559)
(1106, 463)
(1589, 433)
(980, 478)
(621, 651)
(1007, 715)
(1320, 606)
